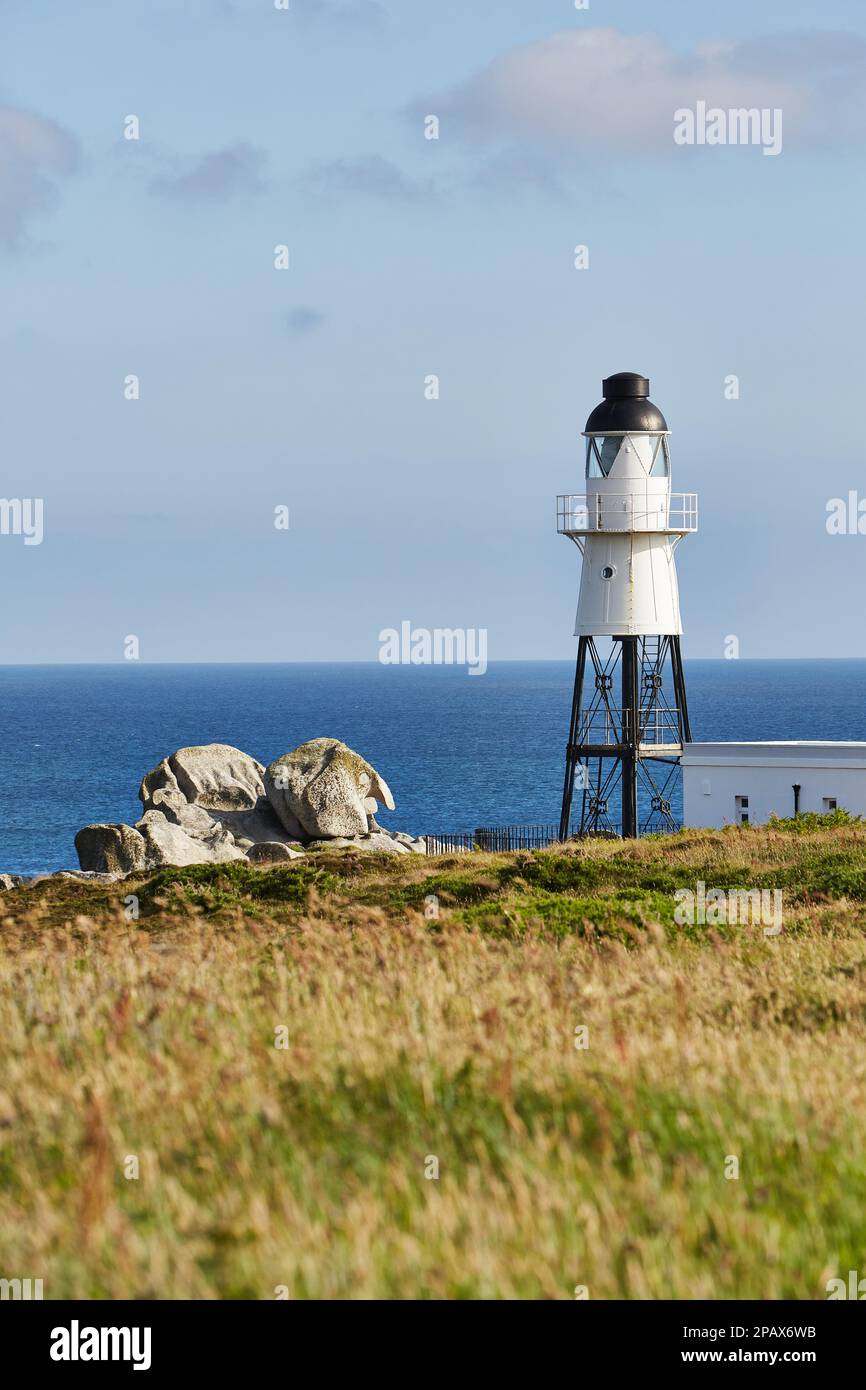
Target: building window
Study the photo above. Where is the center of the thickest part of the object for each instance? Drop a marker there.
(829, 803)
(741, 804)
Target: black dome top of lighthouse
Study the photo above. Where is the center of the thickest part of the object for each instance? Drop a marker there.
(626, 406)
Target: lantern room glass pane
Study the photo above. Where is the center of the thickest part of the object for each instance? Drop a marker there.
(661, 462)
(652, 450)
(600, 455)
(607, 452)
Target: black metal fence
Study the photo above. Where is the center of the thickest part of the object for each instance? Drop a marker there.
(494, 839)
(504, 837)
(449, 844)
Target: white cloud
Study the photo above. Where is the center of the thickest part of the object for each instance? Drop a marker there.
(34, 154)
(592, 90)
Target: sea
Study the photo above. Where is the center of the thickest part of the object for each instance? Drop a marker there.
(458, 751)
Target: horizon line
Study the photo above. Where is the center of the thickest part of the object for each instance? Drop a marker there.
(331, 661)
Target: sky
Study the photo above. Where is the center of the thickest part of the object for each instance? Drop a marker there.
(303, 388)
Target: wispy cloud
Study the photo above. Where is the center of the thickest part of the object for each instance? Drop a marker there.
(369, 175)
(596, 90)
(517, 170)
(303, 320)
(215, 177)
(34, 154)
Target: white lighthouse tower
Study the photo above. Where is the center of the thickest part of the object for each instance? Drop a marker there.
(627, 712)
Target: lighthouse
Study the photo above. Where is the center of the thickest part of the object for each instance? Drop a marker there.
(629, 718)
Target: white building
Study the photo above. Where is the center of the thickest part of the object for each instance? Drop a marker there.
(742, 783)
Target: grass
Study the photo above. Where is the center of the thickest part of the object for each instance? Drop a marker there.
(288, 1056)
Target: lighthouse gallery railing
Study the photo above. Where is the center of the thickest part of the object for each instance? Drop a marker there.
(658, 726)
(581, 513)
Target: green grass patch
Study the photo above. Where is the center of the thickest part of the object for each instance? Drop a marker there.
(810, 821)
(213, 887)
(452, 888)
(559, 916)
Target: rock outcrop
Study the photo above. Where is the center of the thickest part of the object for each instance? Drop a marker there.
(214, 776)
(110, 849)
(324, 789)
(272, 852)
(379, 841)
(214, 804)
(167, 842)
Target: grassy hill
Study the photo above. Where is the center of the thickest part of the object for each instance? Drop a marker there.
(286, 1057)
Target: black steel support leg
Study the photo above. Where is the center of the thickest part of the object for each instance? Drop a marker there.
(680, 689)
(630, 732)
(571, 758)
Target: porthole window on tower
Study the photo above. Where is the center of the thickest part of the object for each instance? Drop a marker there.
(608, 571)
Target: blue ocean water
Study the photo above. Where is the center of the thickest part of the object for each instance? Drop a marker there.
(458, 751)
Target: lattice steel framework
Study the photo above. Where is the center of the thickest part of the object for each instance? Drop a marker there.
(624, 736)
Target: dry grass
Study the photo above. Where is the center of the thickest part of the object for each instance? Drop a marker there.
(304, 1166)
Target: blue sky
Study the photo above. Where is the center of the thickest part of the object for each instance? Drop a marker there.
(409, 257)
